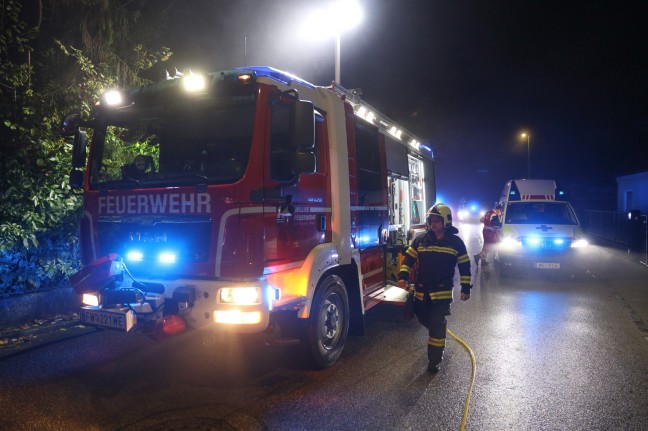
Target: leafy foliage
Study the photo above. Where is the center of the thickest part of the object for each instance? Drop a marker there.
(117, 153)
(43, 76)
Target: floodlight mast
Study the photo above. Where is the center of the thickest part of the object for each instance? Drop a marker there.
(338, 17)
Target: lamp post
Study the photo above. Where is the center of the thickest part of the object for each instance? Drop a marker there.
(338, 17)
(528, 139)
(337, 57)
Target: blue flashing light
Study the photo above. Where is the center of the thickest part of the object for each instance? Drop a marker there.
(364, 240)
(135, 256)
(167, 257)
(426, 148)
(278, 75)
(547, 244)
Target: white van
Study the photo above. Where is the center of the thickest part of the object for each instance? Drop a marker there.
(539, 229)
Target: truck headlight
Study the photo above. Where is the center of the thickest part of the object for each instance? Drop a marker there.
(91, 298)
(240, 295)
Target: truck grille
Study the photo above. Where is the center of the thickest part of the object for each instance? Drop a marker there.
(186, 238)
(540, 244)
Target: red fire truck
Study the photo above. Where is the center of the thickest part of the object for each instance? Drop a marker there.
(254, 202)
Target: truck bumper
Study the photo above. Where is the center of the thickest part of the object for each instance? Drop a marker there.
(201, 306)
(536, 261)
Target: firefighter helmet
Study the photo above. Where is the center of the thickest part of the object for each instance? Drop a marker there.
(442, 211)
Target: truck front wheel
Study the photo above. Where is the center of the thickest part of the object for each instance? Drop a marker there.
(328, 324)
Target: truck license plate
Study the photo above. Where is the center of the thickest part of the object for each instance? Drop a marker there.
(544, 265)
(122, 320)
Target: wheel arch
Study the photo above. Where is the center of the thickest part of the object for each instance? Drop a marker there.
(349, 276)
(322, 262)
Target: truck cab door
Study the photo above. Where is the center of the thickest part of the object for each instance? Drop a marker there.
(298, 215)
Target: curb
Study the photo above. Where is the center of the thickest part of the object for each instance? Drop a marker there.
(20, 309)
(23, 338)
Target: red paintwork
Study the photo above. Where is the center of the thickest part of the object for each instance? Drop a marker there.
(255, 238)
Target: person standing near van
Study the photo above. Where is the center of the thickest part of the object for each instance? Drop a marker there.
(491, 221)
(436, 254)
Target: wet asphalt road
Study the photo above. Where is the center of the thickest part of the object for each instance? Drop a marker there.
(552, 353)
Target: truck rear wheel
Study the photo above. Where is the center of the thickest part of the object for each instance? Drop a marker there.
(328, 324)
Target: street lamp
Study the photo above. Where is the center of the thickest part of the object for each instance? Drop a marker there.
(338, 17)
(528, 139)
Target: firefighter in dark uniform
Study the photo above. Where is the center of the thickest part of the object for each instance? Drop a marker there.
(436, 254)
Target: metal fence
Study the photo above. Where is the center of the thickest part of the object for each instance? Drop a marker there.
(610, 225)
(617, 227)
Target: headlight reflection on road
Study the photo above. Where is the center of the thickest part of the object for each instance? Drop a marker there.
(471, 234)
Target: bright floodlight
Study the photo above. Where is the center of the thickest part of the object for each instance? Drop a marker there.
(113, 97)
(194, 82)
(338, 17)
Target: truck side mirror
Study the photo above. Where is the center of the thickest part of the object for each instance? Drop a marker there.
(287, 165)
(292, 140)
(70, 125)
(302, 126)
(304, 162)
(79, 149)
(76, 179)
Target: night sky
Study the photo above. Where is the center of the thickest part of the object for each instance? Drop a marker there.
(466, 76)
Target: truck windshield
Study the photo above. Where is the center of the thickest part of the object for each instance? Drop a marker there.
(540, 213)
(166, 146)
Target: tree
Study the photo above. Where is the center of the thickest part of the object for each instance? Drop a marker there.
(48, 69)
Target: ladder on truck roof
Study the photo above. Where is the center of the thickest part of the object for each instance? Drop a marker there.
(375, 117)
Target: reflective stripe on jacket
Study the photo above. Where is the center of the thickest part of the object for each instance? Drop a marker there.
(436, 261)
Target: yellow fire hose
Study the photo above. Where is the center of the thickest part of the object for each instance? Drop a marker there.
(472, 379)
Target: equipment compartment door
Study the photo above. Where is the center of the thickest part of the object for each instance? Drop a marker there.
(372, 210)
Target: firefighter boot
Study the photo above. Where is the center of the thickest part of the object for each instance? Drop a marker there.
(433, 367)
(435, 356)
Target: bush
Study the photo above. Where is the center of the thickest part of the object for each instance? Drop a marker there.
(42, 78)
